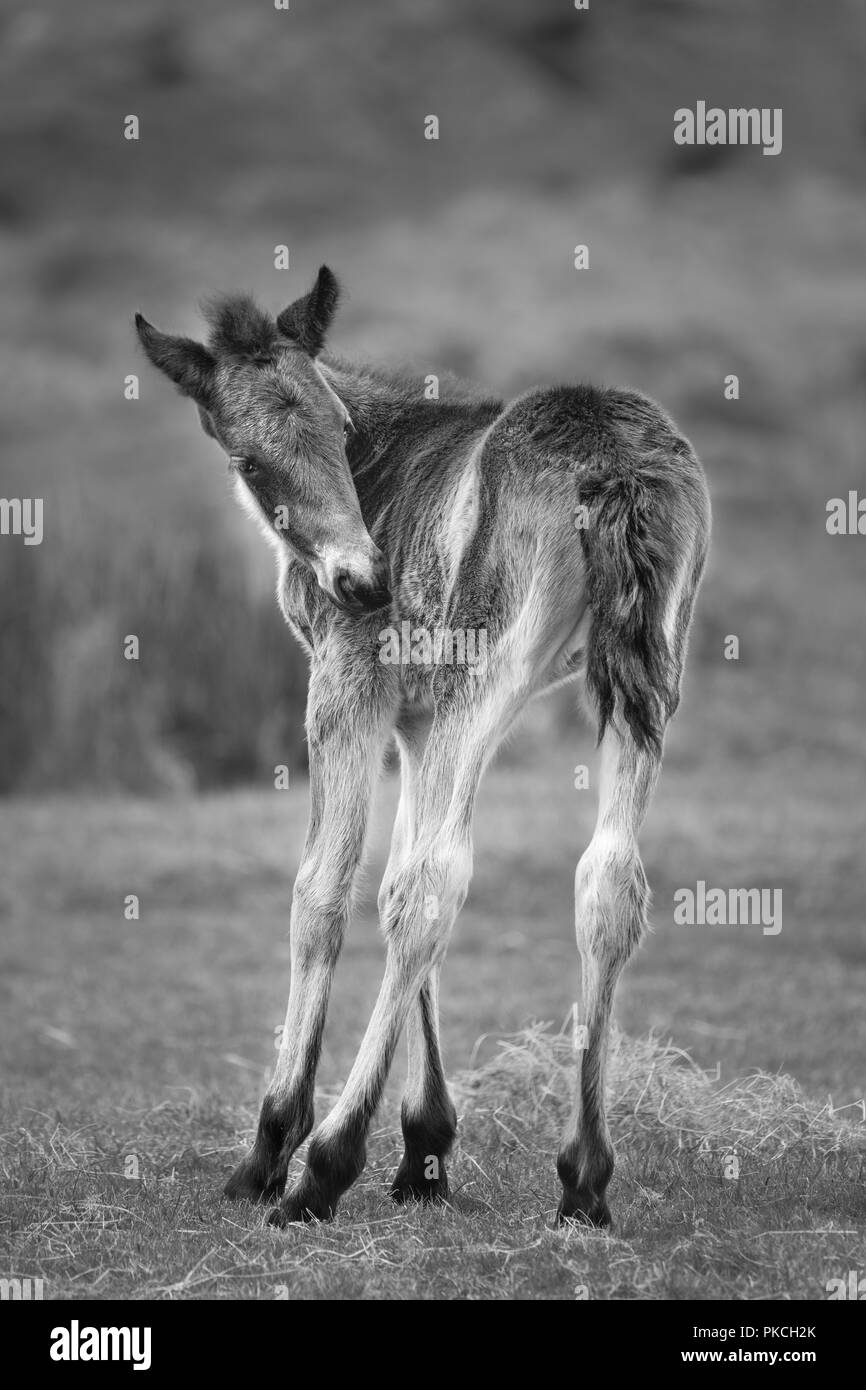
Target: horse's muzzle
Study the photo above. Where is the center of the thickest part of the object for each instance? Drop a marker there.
(357, 595)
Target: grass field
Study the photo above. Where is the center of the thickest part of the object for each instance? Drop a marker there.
(147, 1043)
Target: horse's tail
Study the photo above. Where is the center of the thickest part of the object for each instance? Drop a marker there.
(644, 541)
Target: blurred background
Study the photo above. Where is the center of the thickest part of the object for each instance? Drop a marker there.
(306, 127)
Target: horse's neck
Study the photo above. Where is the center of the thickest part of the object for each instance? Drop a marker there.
(373, 399)
(407, 451)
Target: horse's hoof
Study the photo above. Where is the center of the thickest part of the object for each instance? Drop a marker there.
(412, 1185)
(296, 1207)
(426, 1192)
(583, 1209)
(247, 1184)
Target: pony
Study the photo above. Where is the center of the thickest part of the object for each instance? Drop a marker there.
(569, 528)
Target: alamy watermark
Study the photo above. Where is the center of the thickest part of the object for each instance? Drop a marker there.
(22, 516)
(851, 1285)
(846, 516)
(737, 126)
(438, 646)
(77, 1343)
(24, 1290)
(736, 907)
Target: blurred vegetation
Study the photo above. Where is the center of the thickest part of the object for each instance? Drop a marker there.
(261, 127)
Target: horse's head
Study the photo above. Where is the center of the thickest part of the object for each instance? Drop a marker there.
(262, 397)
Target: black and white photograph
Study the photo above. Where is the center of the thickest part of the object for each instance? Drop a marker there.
(432, 666)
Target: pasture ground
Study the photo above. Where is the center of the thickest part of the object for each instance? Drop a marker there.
(149, 1041)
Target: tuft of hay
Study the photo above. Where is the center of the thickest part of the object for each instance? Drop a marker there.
(658, 1098)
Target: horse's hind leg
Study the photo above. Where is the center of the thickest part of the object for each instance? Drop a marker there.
(427, 1114)
(428, 1117)
(611, 899)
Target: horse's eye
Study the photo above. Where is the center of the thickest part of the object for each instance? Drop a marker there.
(245, 466)
(348, 427)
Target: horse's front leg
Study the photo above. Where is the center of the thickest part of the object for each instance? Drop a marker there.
(346, 741)
(420, 900)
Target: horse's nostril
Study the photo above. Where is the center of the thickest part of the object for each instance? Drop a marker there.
(382, 575)
(344, 587)
(379, 598)
(361, 595)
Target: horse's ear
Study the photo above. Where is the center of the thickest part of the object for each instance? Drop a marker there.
(309, 318)
(187, 363)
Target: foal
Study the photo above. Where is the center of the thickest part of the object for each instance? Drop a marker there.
(569, 528)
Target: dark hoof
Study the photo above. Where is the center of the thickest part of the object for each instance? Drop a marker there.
(248, 1184)
(261, 1174)
(298, 1207)
(411, 1188)
(583, 1209)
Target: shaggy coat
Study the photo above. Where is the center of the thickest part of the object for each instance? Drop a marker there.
(559, 537)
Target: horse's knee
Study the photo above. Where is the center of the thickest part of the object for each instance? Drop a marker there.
(611, 897)
(320, 908)
(386, 890)
(426, 893)
(421, 899)
(446, 874)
